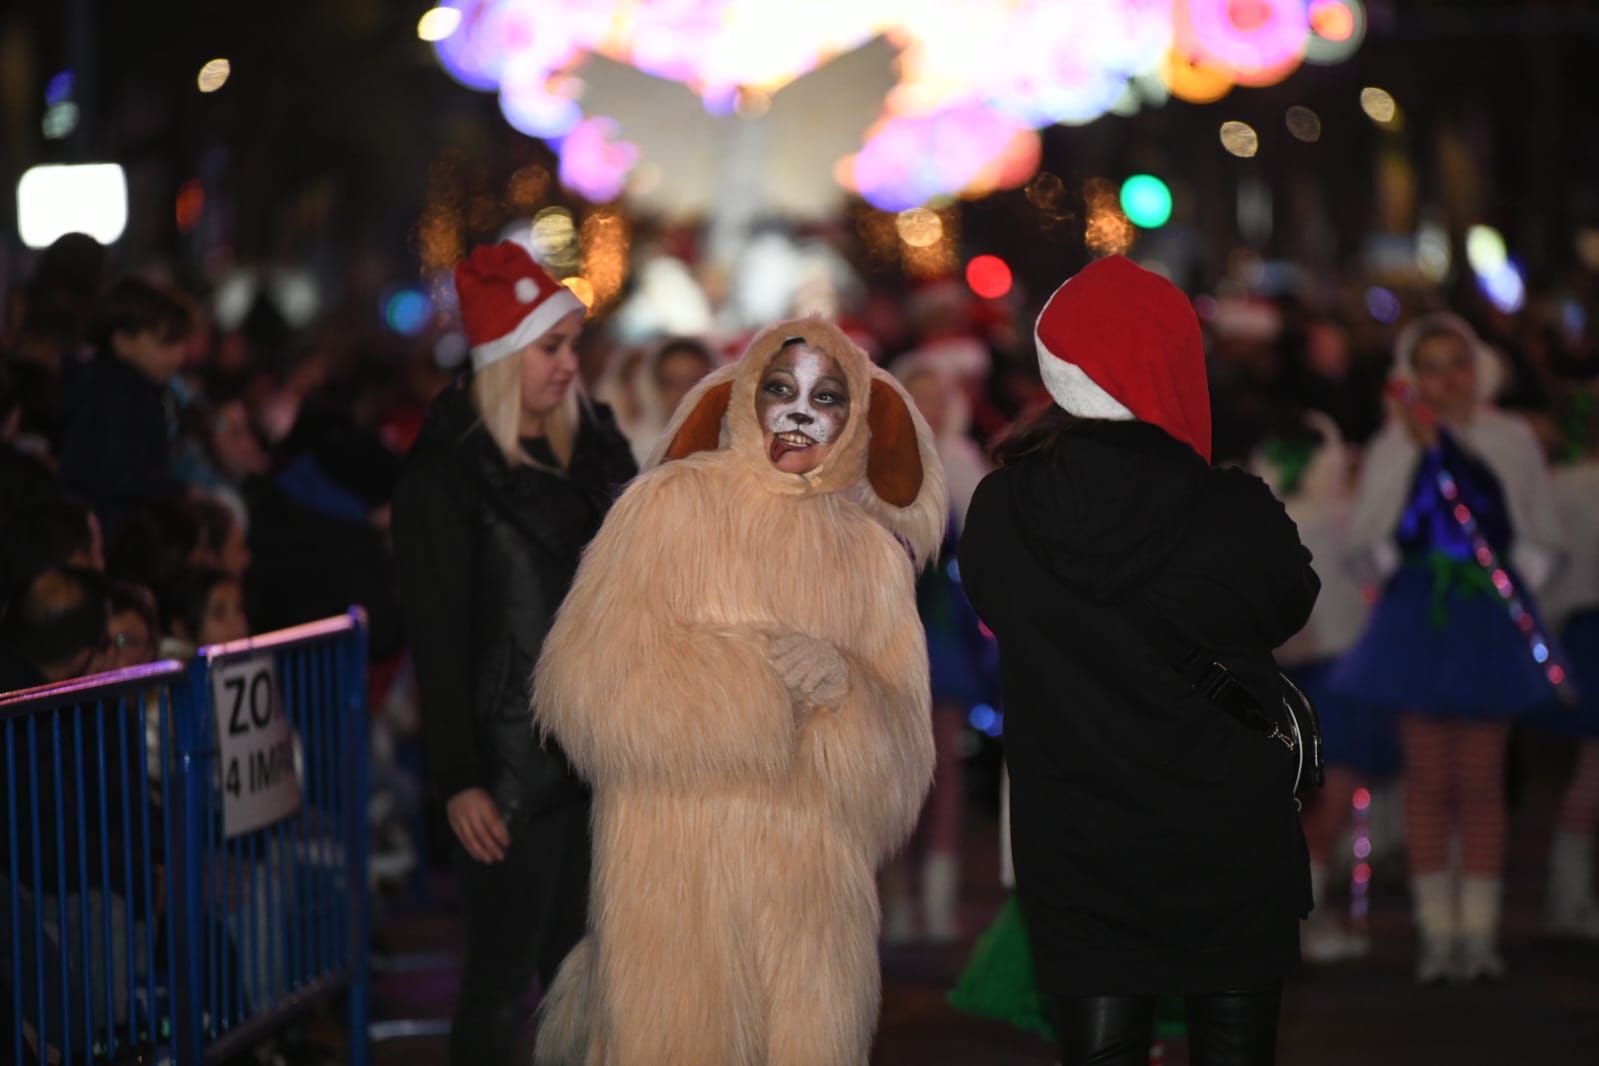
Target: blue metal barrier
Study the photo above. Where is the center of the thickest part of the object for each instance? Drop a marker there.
(143, 912)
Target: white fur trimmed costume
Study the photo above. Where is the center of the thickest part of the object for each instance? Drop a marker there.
(740, 673)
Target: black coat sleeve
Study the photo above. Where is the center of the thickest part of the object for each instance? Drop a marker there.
(1278, 582)
(433, 547)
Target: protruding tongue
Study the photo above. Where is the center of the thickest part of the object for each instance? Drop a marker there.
(781, 447)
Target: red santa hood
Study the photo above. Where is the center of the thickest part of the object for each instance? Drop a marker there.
(1120, 342)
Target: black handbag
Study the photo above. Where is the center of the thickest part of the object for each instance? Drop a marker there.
(1297, 727)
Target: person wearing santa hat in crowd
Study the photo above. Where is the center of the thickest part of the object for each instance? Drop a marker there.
(1156, 838)
(510, 477)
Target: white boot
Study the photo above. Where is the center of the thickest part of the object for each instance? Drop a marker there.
(941, 896)
(1323, 937)
(1433, 897)
(1569, 906)
(1479, 958)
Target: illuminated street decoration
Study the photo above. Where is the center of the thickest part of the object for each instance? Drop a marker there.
(972, 79)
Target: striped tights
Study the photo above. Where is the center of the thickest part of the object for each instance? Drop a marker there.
(1454, 782)
(1579, 810)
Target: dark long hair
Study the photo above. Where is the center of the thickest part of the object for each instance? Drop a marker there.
(1038, 432)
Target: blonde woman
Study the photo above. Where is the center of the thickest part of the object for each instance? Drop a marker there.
(511, 476)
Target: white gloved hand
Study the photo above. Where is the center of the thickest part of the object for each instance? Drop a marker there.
(812, 670)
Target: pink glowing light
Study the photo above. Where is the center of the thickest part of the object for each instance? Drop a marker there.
(1260, 41)
(592, 164)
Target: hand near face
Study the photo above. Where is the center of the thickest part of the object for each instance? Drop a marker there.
(1418, 418)
(812, 670)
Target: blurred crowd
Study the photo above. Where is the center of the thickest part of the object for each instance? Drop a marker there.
(165, 483)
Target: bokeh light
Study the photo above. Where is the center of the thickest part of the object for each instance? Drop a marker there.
(1433, 255)
(1382, 305)
(593, 163)
(1259, 41)
(406, 311)
(604, 240)
(59, 198)
(1107, 230)
(988, 276)
(1504, 287)
(919, 227)
(438, 23)
(582, 288)
(975, 81)
(190, 205)
(554, 239)
(1378, 105)
(214, 75)
(1146, 200)
(1197, 81)
(59, 120)
(58, 90)
(1337, 28)
(1485, 249)
(1240, 139)
(1332, 20)
(1303, 123)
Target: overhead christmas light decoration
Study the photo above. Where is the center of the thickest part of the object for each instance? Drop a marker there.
(974, 79)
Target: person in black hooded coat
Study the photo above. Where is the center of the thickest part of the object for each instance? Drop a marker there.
(508, 481)
(1156, 838)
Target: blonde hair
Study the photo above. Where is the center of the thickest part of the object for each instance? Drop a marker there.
(496, 392)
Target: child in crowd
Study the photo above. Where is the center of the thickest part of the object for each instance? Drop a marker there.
(201, 606)
(1454, 513)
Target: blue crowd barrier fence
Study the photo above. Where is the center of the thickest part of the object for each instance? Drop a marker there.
(183, 866)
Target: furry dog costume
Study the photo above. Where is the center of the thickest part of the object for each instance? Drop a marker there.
(740, 674)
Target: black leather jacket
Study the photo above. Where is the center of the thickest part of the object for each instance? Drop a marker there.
(486, 553)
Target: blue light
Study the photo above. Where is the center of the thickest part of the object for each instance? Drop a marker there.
(1503, 287)
(59, 89)
(1382, 304)
(955, 571)
(986, 720)
(1540, 651)
(406, 311)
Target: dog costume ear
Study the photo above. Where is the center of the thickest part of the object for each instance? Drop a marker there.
(701, 431)
(893, 458)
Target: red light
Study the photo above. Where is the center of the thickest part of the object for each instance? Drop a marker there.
(1362, 799)
(191, 202)
(1557, 676)
(988, 276)
(1362, 873)
(1331, 20)
(1462, 513)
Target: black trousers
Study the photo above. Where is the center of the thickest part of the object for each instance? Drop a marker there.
(523, 916)
(1237, 1028)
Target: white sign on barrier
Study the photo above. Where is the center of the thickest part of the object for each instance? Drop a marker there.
(255, 746)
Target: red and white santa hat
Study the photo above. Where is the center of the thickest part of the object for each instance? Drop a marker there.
(1120, 342)
(507, 300)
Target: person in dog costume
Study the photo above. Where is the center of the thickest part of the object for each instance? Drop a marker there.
(740, 673)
